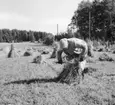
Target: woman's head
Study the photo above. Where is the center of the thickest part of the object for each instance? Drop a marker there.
(63, 43)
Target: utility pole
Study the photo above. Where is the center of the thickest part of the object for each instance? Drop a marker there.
(89, 19)
(57, 29)
(89, 23)
(111, 18)
(111, 11)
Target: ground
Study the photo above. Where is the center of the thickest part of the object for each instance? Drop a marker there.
(25, 83)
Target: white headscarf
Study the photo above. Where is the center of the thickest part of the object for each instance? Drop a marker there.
(63, 43)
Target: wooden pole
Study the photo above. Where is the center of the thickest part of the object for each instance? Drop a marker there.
(89, 23)
(57, 29)
(111, 18)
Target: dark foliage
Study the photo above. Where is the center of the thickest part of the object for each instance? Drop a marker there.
(95, 19)
(49, 39)
(15, 35)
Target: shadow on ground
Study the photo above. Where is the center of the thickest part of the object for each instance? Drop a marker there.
(56, 80)
(32, 81)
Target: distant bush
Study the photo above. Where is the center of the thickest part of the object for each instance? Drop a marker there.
(49, 40)
(63, 35)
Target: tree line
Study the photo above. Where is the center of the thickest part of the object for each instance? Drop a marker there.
(15, 35)
(94, 20)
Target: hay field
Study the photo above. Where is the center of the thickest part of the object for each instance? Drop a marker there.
(25, 83)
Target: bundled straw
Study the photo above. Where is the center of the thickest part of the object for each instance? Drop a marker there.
(70, 73)
(38, 59)
(12, 53)
(105, 57)
(28, 53)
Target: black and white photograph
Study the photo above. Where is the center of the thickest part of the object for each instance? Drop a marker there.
(57, 52)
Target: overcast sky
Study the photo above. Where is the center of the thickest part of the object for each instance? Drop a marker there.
(37, 15)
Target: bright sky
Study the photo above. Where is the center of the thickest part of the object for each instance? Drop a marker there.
(37, 15)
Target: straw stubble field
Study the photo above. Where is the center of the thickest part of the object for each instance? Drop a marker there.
(23, 82)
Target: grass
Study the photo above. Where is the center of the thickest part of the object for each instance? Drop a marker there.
(25, 83)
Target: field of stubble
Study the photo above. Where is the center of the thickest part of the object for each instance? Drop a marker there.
(25, 83)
